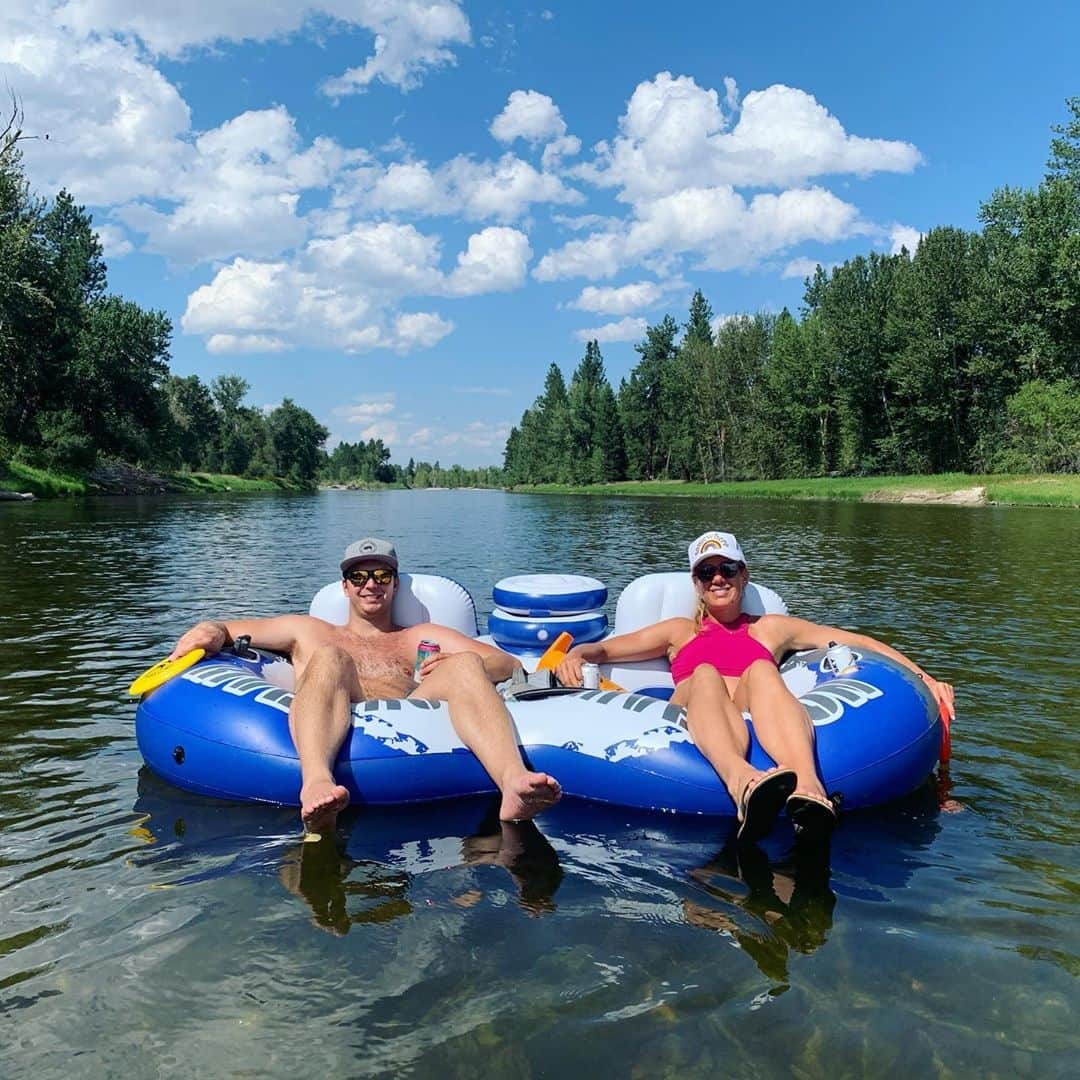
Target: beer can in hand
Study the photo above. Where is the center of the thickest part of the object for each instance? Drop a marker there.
(423, 651)
(590, 676)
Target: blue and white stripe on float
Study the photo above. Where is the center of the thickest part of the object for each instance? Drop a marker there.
(541, 595)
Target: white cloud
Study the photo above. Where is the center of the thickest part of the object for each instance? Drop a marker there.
(389, 431)
(597, 256)
(114, 241)
(503, 189)
(244, 343)
(804, 267)
(366, 409)
(628, 329)
(528, 115)
(674, 135)
(716, 225)
(904, 236)
(411, 36)
(344, 292)
(618, 301)
(496, 260)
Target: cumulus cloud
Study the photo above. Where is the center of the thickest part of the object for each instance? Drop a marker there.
(366, 408)
(628, 329)
(528, 115)
(904, 236)
(476, 190)
(410, 36)
(597, 256)
(715, 225)
(805, 267)
(344, 292)
(114, 241)
(675, 134)
(496, 260)
(237, 344)
(618, 301)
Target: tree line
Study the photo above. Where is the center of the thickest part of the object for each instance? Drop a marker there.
(84, 375)
(369, 463)
(961, 356)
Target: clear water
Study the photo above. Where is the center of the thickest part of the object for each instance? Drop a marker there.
(146, 932)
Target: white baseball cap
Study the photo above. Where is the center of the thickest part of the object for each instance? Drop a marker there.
(715, 544)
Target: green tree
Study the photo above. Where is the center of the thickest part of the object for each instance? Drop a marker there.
(699, 324)
(641, 401)
(296, 441)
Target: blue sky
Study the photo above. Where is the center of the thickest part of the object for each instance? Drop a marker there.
(399, 213)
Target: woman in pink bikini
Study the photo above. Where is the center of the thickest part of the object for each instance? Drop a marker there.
(724, 663)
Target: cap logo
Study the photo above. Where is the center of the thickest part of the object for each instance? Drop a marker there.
(712, 545)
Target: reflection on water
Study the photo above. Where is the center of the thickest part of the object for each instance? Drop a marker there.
(769, 908)
(148, 932)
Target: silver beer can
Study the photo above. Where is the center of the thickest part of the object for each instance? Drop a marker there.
(590, 676)
(839, 659)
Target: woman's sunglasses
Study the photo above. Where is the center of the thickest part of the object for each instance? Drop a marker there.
(383, 575)
(707, 571)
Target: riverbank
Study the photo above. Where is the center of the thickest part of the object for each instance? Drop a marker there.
(957, 489)
(119, 479)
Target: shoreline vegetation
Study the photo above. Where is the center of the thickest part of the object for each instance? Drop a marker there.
(946, 489)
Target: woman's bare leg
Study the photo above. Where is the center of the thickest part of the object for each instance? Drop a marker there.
(781, 723)
(483, 724)
(718, 728)
(319, 720)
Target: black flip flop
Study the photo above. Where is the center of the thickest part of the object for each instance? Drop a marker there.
(761, 804)
(813, 819)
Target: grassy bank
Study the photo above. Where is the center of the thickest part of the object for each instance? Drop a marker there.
(222, 482)
(16, 476)
(949, 488)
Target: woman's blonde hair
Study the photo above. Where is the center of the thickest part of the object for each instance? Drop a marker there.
(699, 614)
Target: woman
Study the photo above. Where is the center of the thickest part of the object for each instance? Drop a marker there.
(725, 663)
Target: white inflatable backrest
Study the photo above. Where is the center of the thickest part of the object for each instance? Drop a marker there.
(652, 597)
(420, 598)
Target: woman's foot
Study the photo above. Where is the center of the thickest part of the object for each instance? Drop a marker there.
(761, 801)
(813, 816)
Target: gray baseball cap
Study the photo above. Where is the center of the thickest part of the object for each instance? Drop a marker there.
(371, 547)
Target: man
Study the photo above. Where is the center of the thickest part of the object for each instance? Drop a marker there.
(371, 658)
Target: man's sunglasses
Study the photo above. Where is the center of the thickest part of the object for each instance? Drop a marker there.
(383, 575)
(707, 571)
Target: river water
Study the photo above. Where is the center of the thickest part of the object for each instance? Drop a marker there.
(145, 932)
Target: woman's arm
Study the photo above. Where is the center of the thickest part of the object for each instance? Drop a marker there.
(803, 634)
(645, 644)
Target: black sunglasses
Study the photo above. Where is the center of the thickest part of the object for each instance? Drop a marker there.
(383, 575)
(707, 571)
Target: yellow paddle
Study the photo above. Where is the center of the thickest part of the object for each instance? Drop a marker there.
(162, 672)
(556, 653)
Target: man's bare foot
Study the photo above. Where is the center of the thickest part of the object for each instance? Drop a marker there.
(320, 803)
(525, 794)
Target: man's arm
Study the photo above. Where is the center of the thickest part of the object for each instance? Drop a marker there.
(278, 634)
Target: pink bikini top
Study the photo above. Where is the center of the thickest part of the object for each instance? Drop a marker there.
(729, 648)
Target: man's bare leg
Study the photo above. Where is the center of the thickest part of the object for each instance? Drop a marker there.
(483, 724)
(319, 720)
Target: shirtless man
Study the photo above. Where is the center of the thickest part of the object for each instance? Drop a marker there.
(371, 658)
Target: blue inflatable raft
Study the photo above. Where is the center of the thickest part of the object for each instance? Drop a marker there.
(221, 729)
